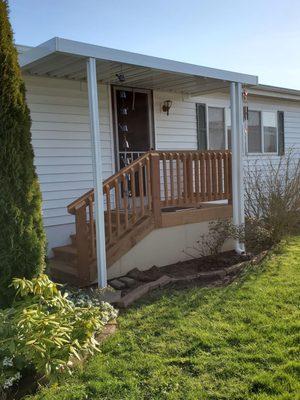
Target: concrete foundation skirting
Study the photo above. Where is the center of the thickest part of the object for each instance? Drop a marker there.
(161, 247)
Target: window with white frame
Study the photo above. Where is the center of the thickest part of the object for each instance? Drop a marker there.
(265, 130)
(262, 132)
(228, 127)
(216, 128)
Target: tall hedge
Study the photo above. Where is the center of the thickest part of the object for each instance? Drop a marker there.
(22, 238)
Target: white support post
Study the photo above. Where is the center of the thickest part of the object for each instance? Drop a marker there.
(97, 172)
(241, 151)
(237, 158)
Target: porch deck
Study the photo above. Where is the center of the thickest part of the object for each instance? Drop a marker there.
(159, 189)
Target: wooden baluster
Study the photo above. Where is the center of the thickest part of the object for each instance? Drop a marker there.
(82, 244)
(230, 178)
(165, 178)
(108, 213)
(141, 189)
(155, 189)
(202, 176)
(214, 175)
(133, 195)
(178, 178)
(117, 205)
(125, 199)
(185, 183)
(148, 178)
(226, 188)
(208, 177)
(197, 183)
(172, 179)
(220, 175)
(190, 177)
(92, 227)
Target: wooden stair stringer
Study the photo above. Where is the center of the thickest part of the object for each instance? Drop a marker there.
(124, 244)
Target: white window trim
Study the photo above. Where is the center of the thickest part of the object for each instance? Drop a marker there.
(263, 153)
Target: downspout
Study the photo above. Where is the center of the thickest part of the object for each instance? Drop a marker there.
(237, 160)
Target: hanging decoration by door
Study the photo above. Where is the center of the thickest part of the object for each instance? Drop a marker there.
(123, 126)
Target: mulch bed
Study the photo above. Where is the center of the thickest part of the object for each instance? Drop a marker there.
(183, 268)
(213, 270)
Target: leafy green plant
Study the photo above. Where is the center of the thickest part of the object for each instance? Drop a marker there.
(45, 330)
(22, 238)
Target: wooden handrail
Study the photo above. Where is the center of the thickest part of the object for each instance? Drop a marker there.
(155, 180)
(109, 181)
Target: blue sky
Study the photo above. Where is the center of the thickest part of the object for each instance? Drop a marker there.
(256, 37)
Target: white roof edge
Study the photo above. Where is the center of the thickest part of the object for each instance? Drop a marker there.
(275, 92)
(40, 51)
(104, 53)
(279, 89)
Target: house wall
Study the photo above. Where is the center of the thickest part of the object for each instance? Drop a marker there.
(178, 130)
(61, 139)
(62, 147)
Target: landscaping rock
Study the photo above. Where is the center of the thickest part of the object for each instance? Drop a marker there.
(140, 291)
(117, 284)
(134, 274)
(112, 296)
(129, 282)
(146, 276)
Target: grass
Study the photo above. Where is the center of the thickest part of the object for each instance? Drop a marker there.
(239, 342)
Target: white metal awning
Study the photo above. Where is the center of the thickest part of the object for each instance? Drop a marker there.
(62, 58)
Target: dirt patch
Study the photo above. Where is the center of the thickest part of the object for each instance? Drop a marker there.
(184, 269)
(204, 264)
(181, 277)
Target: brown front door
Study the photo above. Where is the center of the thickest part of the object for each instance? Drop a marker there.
(133, 123)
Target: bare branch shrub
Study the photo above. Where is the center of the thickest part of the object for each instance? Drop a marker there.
(211, 243)
(272, 199)
(272, 209)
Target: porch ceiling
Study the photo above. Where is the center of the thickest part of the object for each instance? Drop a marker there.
(62, 58)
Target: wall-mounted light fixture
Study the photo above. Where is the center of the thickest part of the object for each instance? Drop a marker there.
(166, 106)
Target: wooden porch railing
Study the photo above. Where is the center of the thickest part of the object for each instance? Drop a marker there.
(192, 177)
(142, 189)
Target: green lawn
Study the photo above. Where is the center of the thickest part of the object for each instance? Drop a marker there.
(238, 342)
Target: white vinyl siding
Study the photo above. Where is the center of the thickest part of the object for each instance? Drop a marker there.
(61, 142)
(176, 131)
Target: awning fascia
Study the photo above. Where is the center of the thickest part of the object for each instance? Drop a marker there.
(85, 50)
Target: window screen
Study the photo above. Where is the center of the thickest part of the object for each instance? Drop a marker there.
(270, 132)
(228, 127)
(216, 128)
(254, 132)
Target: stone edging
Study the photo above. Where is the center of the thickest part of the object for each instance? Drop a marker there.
(140, 291)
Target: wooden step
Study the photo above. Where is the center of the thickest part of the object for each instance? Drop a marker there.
(66, 253)
(63, 272)
(63, 267)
